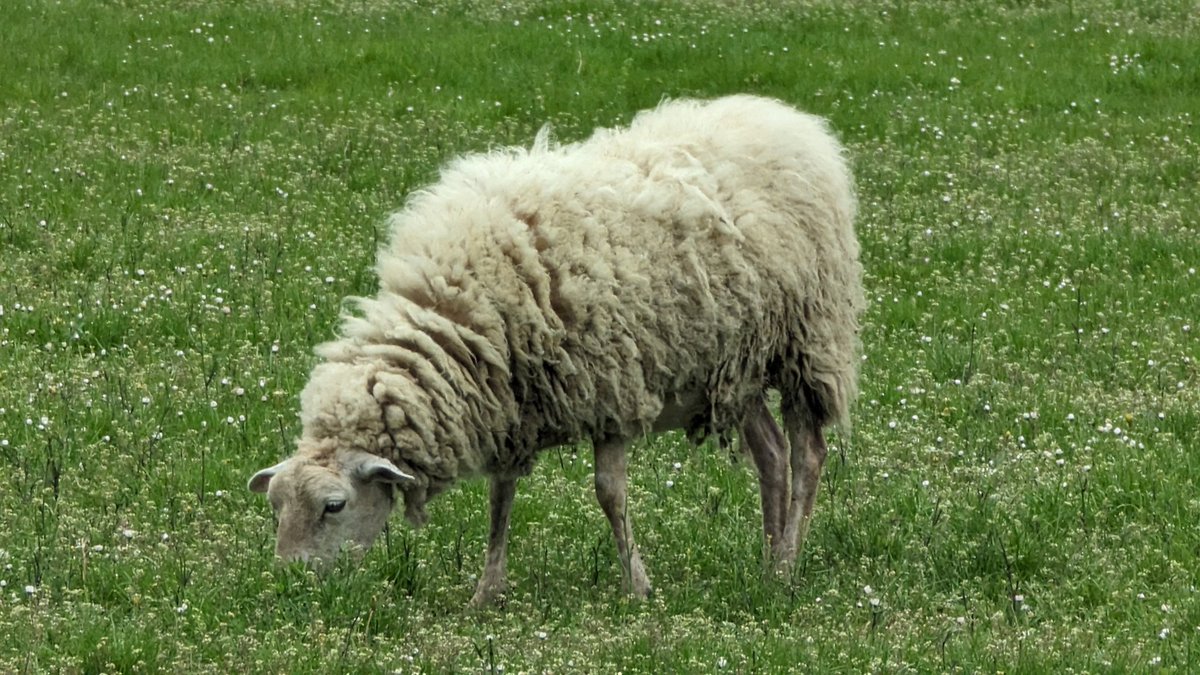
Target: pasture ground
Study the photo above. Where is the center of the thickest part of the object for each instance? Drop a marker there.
(189, 189)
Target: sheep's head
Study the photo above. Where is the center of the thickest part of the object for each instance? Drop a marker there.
(327, 501)
(340, 486)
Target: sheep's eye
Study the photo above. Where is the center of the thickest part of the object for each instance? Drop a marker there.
(335, 506)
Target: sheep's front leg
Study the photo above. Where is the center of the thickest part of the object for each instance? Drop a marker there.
(770, 452)
(493, 581)
(610, 492)
(808, 458)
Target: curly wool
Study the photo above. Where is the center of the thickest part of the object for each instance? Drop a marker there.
(542, 296)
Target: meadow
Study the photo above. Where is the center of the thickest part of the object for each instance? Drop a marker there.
(188, 190)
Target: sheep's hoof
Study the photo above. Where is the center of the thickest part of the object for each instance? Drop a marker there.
(782, 569)
(639, 593)
(488, 595)
(780, 564)
(637, 583)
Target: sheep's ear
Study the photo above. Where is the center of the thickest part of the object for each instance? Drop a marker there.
(371, 468)
(261, 480)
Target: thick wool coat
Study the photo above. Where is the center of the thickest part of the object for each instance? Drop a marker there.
(662, 275)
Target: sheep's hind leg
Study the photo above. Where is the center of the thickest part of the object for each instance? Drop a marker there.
(493, 582)
(807, 458)
(768, 448)
(610, 492)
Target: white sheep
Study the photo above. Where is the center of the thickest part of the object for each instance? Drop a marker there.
(663, 276)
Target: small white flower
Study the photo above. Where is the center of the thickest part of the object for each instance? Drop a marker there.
(30, 590)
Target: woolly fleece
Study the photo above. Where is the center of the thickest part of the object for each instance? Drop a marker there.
(537, 297)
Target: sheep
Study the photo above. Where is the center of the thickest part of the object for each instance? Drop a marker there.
(667, 275)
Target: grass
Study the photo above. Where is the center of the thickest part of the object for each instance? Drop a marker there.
(188, 190)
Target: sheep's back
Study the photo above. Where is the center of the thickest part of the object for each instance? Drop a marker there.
(707, 250)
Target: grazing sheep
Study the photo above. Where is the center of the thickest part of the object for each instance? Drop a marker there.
(663, 276)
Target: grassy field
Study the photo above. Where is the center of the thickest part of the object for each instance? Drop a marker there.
(189, 189)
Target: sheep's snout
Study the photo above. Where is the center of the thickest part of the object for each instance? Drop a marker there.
(313, 560)
(295, 556)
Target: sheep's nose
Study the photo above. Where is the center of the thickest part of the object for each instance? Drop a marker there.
(294, 556)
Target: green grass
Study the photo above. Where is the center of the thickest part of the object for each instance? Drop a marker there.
(188, 190)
